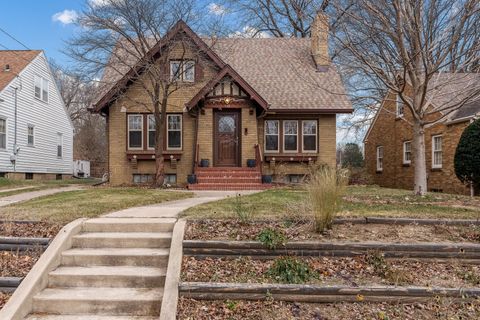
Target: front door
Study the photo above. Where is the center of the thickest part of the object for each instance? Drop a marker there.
(226, 138)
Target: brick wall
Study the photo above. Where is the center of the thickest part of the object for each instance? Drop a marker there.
(391, 132)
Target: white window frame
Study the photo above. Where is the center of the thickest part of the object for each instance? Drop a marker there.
(183, 68)
(278, 136)
(405, 160)
(59, 144)
(399, 106)
(316, 136)
(43, 81)
(284, 134)
(33, 135)
(128, 131)
(380, 163)
(437, 166)
(5, 133)
(148, 131)
(180, 130)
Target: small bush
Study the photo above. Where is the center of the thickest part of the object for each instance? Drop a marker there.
(243, 213)
(290, 270)
(271, 238)
(383, 269)
(326, 188)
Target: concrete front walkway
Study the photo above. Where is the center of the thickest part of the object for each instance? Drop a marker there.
(171, 209)
(25, 196)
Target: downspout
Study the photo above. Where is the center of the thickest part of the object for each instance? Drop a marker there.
(195, 142)
(15, 131)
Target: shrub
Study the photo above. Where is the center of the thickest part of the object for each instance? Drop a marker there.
(290, 270)
(271, 238)
(326, 188)
(467, 156)
(243, 213)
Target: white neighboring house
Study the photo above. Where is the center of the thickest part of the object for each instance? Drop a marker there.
(36, 133)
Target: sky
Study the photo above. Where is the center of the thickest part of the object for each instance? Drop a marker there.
(47, 24)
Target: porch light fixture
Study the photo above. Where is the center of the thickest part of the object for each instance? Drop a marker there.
(227, 100)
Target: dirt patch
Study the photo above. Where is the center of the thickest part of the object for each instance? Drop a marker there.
(299, 231)
(277, 310)
(17, 264)
(368, 270)
(4, 298)
(29, 230)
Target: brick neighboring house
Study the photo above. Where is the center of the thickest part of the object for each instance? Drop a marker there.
(388, 142)
(272, 100)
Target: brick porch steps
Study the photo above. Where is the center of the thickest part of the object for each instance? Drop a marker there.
(226, 178)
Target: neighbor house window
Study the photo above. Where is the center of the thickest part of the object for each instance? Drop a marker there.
(135, 131)
(151, 131)
(59, 145)
(290, 136)
(174, 132)
(400, 106)
(407, 152)
(30, 135)
(272, 130)
(437, 154)
(3, 133)
(41, 88)
(309, 135)
(380, 158)
(182, 70)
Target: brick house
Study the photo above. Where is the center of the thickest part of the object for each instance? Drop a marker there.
(270, 100)
(388, 142)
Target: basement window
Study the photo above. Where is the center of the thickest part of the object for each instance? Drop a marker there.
(142, 178)
(59, 177)
(28, 176)
(170, 179)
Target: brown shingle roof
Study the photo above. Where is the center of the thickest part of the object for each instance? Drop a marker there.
(283, 72)
(17, 60)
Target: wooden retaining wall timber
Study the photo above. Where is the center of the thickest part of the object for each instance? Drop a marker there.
(407, 221)
(22, 244)
(9, 284)
(318, 294)
(254, 249)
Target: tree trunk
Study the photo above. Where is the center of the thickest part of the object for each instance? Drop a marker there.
(160, 122)
(419, 160)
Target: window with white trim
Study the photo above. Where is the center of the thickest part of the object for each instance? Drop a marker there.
(135, 131)
(151, 131)
(290, 135)
(407, 152)
(174, 132)
(41, 88)
(30, 135)
(272, 132)
(59, 145)
(400, 107)
(380, 158)
(3, 133)
(309, 128)
(182, 70)
(437, 153)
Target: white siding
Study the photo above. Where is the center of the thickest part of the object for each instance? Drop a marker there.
(47, 118)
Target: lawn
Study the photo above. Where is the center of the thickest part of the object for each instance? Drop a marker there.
(67, 206)
(359, 201)
(12, 187)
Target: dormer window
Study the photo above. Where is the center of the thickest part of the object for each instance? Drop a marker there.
(182, 70)
(400, 107)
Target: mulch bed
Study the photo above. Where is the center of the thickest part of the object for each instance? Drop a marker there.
(4, 298)
(356, 271)
(189, 309)
(298, 231)
(29, 230)
(17, 264)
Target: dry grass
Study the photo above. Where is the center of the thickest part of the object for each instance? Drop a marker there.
(68, 206)
(325, 189)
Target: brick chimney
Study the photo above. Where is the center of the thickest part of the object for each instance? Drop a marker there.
(319, 41)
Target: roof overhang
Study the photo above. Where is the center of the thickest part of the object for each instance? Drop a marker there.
(227, 70)
(309, 111)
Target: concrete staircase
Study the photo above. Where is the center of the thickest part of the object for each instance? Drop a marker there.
(115, 270)
(228, 178)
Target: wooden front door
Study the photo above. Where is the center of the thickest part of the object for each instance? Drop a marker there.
(226, 139)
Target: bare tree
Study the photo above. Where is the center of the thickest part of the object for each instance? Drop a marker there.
(127, 40)
(410, 49)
